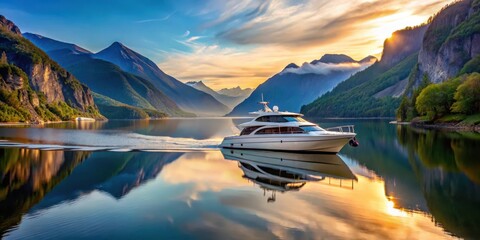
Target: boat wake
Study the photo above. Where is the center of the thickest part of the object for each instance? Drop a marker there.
(125, 142)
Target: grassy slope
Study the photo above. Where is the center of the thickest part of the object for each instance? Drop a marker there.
(354, 96)
(113, 109)
(109, 80)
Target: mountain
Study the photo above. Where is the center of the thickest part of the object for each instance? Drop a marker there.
(48, 44)
(401, 44)
(375, 91)
(236, 92)
(117, 110)
(451, 41)
(449, 51)
(295, 86)
(186, 97)
(334, 58)
(138, 95)
(229, 101)
(33, 88)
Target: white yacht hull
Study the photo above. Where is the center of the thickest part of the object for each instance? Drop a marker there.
(290, 142)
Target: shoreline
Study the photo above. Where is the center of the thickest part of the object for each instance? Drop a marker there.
(453, 126)
(2, 124)
(42, 123)
(447, 126)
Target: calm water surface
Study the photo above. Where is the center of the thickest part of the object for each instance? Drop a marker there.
(168, 179)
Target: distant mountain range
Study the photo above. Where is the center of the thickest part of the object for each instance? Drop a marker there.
(186, 97)
(139, 82)
(236, 92)
(33, 88)
(297, 85)
(375, 91)
(230, 101)
(107, 79)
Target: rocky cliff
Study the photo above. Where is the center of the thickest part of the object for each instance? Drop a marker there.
(402, 44)
(39, 86)
(452, 39)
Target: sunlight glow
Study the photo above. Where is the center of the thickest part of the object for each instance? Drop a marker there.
(385, 26)
(392, 211)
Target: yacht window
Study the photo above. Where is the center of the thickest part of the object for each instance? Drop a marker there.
(294, 119)
(280, 130)
(311, 128)
(271, 119)
(263, 119)
(275, 130)
(277, 119)
(248, 130)
(291, 130)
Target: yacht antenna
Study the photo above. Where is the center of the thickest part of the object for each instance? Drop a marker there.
(265, 105)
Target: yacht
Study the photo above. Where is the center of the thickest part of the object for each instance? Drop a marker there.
(288, 131)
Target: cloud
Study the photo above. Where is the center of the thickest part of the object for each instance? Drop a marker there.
(193, 39)
(156, 19)
(186, 34)
(248, 41)
(326, 68)
(311, 23)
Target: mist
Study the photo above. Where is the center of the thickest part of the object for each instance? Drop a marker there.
(326, 68)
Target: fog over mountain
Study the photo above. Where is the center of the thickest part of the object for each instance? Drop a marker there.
(296, 85)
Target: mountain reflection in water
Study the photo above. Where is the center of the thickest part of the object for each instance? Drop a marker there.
(400, 183)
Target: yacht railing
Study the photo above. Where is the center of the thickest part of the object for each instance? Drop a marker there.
(345, 128)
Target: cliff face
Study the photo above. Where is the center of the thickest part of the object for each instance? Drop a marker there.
(402, 44)
(59, 85)
(9, 25)
(28, 72)
(452, 39)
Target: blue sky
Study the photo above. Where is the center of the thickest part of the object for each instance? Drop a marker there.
(223, 42)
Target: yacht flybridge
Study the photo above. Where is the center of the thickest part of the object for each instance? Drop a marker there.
(287, 131)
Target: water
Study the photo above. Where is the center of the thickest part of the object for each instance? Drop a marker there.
(168, 179)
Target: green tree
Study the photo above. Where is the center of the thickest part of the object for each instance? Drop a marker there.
(467, 95)
(407, 110)
(436, 99)
(471, 66)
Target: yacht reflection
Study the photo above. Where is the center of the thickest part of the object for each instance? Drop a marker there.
(283, 172)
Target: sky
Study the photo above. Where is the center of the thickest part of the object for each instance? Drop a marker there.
(224, 43)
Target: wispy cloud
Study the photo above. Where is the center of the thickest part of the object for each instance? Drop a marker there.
(312, 23)
(156, 19)
(192, 39)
